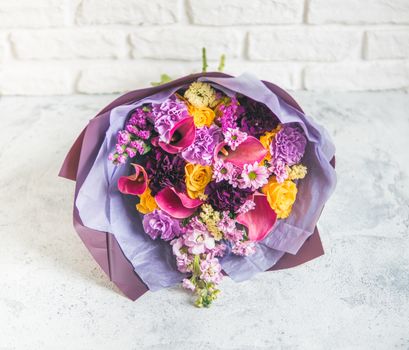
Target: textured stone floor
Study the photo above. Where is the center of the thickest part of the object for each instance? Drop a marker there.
(54, 296)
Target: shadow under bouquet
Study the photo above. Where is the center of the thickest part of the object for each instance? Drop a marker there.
(205, 176)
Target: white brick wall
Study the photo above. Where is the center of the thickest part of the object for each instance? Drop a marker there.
(104, 46)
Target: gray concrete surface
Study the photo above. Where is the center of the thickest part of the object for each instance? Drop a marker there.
(54, 296)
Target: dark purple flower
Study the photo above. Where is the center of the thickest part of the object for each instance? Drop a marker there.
(288, 145)
(159, 224)
(256, 118)
(223, 196)
(165, 170)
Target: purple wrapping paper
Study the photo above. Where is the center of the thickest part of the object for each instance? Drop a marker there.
(103, 223)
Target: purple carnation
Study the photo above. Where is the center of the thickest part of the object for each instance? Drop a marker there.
(202, 149)
(166, 114)
(289, 145)
(224, 197)
(257, 118)
(159, 224)
(165, 170)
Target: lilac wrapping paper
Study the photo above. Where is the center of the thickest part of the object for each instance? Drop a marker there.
(103, 245)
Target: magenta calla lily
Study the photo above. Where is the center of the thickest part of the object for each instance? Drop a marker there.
(181, 136)
(249, 151)
(134, 184)
(176, 204)
(259, 221)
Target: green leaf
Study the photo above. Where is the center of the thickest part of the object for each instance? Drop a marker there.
(164, 78)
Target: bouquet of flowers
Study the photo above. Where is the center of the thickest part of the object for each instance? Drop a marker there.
(205, 176)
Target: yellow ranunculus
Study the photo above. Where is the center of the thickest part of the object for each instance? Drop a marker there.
(202, 116)
(281, 196)
(197, 178)
(147, 202)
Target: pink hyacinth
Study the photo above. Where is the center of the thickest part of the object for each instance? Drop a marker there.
(234, 137)
(183, 263)
(254, 176)
(177, 245)
(199, 241)
(245, 248)
(211, 270)
(187, 284)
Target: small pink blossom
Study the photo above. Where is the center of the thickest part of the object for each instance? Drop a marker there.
(122, 158)
(123, 137)
(119, 149)
(279, 169)
(183, 263)
(244, 248)
(211, 270)
(234, 137)
(246, 207)
(234, 235)
(131, 152)
(187, 284)
(254, 176)
(219, 250)
(199, 241)
(223, 171)
(177, 245)
(226, 224)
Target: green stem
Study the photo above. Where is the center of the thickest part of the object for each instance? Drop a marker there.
(222, 63)
(204, 60)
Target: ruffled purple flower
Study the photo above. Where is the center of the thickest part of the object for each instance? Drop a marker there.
(202, 149)
(159, 224)
(289, 145)
(166, 114)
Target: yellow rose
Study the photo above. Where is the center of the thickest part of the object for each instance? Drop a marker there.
(197, 178)
(146, 203)
(281, 196)
(202, 116)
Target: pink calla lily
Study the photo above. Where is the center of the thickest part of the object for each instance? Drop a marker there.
(176, 204)
(135, 184)
(249, 151)
(260, 220)
(181, 136)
